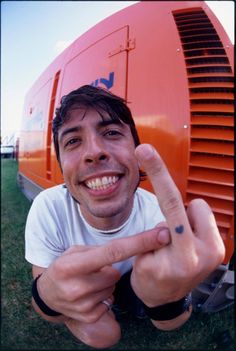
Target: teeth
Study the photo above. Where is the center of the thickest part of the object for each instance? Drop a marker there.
(101, 183)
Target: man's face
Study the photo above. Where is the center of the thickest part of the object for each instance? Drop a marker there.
(99, 166)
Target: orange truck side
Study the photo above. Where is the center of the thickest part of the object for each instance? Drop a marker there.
(173, 62)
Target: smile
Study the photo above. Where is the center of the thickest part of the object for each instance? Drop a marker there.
(101, 183)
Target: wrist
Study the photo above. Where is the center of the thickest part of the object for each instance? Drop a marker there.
(170, 310)
(40, 303)
(175, 323)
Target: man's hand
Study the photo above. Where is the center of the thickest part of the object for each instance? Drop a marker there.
(196, 247)
(78, 281)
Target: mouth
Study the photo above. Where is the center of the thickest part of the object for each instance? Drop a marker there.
(101, 183)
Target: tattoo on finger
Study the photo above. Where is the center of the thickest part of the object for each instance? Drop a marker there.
(179, 229)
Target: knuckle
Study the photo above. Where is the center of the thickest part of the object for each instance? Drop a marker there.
(141, 266)
(86, 306)
(70, 295)
(196, 203)
(59, 269)
(92, 317)
(155, 169)
(73, 292)
(113, 253)
(172, 201)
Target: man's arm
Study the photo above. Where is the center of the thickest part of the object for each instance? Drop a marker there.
(196, 249)
(36, 271)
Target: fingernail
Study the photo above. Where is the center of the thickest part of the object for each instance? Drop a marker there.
(164, 236)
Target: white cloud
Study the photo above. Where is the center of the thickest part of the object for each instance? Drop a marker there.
(61, 45)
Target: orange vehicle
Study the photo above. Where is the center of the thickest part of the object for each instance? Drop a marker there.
(173, 62)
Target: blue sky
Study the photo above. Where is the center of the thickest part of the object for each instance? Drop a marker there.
(34, 32)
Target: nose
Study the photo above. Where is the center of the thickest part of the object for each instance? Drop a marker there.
(95, 151)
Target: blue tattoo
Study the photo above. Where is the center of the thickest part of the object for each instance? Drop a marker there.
(179, 229)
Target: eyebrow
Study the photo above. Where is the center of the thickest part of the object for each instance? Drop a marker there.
(100, 124)
(69, 131)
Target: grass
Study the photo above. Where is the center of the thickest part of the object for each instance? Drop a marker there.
(23, 329)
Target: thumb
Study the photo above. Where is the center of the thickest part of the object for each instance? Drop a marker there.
(163, 232)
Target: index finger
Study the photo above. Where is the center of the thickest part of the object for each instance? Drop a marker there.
(168, 195)
(120, 249)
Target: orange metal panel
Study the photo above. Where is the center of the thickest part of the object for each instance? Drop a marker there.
(174, 63)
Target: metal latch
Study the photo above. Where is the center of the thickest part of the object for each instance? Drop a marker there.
(130, 45)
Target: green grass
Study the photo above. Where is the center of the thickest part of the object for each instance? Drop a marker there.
(22, 329)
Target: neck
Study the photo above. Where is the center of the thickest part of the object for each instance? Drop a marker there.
(109, 224)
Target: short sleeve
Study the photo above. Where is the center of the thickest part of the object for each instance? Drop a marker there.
(42, 233)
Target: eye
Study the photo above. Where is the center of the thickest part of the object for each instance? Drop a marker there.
(112, 133)
(72, 142)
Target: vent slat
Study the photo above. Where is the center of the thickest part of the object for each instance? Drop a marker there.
(196, 28)
(197, 31)
(212, 121)
(205, 52)
(220, 177)
(211, 90)
(203, 60)
(211, 79)
(212, 108)
(209, 69)
(208, 95)
(212, 133)
(211, 85)
(198, 38)
(224, 133)
(202, 45)
(216, 75)
(215, 191)
(215, 162)
(212, 147)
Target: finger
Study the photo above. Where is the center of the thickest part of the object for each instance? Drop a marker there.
(115, 251)
(78, 248)
(97, 311)
(164, 236)
(98, 280)
(89, 301)
(204, 224)
(166, 191)
(90, 316)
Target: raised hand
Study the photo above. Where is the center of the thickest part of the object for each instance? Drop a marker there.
(196, 247)
(78, 281)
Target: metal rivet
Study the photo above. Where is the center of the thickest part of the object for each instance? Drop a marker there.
(185, 126)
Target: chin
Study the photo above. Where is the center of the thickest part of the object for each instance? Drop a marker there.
(106, 212)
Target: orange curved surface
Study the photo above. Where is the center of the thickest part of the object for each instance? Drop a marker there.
(173, 62)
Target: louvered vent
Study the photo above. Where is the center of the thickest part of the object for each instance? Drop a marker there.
(210, 79)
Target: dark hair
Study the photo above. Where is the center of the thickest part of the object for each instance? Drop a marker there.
(100, 100)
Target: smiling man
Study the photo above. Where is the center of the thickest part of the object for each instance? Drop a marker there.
(99, 166)
(95, 242)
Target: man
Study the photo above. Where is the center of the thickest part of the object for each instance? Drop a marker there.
(101, 241)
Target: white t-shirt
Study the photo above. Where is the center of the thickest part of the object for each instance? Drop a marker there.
(55, 223)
